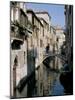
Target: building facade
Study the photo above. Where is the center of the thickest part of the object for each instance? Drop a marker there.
(19, 46)
(60, 37)
(46, 20)
(69, 33)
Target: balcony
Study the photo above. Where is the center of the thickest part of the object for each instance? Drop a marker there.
(16, 38)
(20, 24)
(16, 41)
(16, 31)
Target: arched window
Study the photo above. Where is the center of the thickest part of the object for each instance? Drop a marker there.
(16, 61)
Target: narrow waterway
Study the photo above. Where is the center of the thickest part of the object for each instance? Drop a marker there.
(48, 83)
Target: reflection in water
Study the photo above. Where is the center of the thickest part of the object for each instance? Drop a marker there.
(47, 78)
(57, 88)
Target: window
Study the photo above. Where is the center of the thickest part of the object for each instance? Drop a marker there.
(12, 28)
(16, 61)
(15, 45)
(43, 31)
(31, 41)
(16, 14)
(47, 27)
(41, 44)
(57, 39)
(12, 14)
(24, 57)
(21, 19)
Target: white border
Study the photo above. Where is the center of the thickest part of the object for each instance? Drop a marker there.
(5, 49)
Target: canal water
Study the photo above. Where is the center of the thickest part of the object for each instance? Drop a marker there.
(44, 80)
(57, 89)
(47, 80)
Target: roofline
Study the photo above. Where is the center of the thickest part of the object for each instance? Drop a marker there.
(43, 12)
(31, 11)
(58, 28)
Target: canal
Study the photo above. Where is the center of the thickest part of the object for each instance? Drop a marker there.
(44, 81)
(47, 78)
